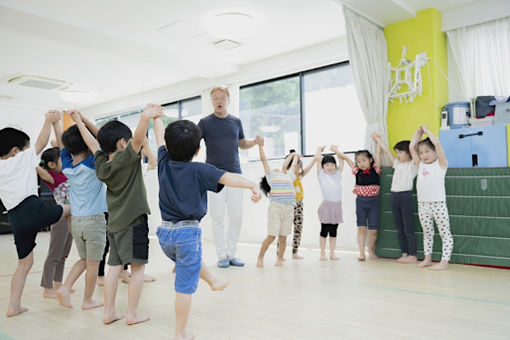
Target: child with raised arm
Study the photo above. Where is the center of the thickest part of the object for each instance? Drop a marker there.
(402, 197)
(61, 239)
(367, 189)
(118, 165)
(88, 207)
(430, 160)
(330, 210)
(27, 214)
(183, 187)
(277, 185)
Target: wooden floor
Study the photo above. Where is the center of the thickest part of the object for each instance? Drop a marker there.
(305, 299)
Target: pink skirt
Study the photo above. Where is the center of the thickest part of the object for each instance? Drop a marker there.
(331, 212)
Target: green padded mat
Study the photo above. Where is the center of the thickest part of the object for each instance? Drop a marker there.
(479, 205)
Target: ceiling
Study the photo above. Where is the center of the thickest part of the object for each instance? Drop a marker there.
(115, 47)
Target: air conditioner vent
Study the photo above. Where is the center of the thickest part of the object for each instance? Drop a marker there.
(226, 44)
(37, 82)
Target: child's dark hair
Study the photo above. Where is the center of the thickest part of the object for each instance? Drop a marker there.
(291, 151)
(328, 159)
(403, 146)
(182, 139)
(11, 138)
(111, 133)
(365, 153)
(264, 186)
(427, 142)
(73, 141)
(50, 155)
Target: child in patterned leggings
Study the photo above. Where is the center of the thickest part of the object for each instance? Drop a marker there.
(428, 156)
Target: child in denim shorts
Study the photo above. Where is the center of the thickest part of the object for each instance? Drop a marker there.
(183, 187)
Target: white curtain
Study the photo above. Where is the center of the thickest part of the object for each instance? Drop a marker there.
(368, 57)
(481, 54)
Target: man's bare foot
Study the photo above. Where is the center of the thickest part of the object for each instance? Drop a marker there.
(64, 297)
(148, 278)
(443, 265)
(15, 311)
(297, 256)
(333, 257)
(279, 262)
(184, 336)
(260, 263)
(219, 285)
(108, 319)
(425, 263)
(133, 320)
(125, 277)
(407, 259)
(100, 281)
(50, 293)
(91, 304)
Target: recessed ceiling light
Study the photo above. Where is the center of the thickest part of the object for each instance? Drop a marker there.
(77, 96)
(231, 25)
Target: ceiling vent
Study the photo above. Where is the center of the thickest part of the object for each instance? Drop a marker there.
(226, 44)
(37, 82)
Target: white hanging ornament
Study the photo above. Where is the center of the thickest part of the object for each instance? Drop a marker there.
(408, 74)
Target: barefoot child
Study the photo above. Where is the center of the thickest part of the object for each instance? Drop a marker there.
(330, 210)
(88, 207)
(118, 165)
(61, 239)
(277, 185)
(27, 214)
(402, 197)
(428, 156)
(183, 187)
(367, 189)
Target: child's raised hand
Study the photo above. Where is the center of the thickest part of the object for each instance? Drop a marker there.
(333, 148)
(424, 129)
(375, 136)
(152, 111)
(53, 116)
(75, 116)
(259, 140)
(255, 194)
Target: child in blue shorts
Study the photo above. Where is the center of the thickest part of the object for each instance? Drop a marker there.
(183, 187)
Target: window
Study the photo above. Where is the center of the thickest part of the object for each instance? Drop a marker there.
(272, 109)
(303, 111)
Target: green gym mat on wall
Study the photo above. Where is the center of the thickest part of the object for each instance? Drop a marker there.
(479, 206)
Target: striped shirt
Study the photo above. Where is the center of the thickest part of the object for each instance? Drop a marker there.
(282, 190)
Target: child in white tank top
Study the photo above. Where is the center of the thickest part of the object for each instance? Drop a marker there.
(429, 157)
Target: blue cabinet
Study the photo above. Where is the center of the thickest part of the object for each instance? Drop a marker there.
(485, 147)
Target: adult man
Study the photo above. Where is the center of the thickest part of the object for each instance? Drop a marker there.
(223, 135)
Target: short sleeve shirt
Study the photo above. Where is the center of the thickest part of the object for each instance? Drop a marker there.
(18, 179)
(87, 193)
(183, 187)
(222, 136)
(126, 195)
(367, 181)
(331, 186)
(403, 177)
(282, 188)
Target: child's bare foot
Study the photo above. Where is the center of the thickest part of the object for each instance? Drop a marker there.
(184, 336)
(64, 297)
(443, 265)
(148, 278)
(296, 256)
(361, 257)
(279, 262)
(323, 257)
(125, 277)
(407, 259)
(219, 285)
(425, 263)
(50, 293)
(133, 320)
(333, 257)
(372, 256)
(108, 319)
(15, 311)
(100, 281)
(91, 304)
(260, 263)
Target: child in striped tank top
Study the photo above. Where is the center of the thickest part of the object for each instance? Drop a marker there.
(277, 185)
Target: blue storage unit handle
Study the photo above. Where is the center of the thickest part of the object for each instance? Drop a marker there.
(479, 133)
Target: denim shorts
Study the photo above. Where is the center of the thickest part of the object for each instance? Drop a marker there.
(367, 212)
(182, 243)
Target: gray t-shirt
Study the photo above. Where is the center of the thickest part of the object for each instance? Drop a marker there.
(222, 136)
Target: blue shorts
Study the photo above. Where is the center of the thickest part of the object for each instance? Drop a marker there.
(182, 243)
(367, 212)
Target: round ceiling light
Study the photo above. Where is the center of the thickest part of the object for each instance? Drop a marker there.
(231, 25)
(77, 96)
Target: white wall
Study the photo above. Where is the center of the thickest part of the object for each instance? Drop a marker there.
(27, 118)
